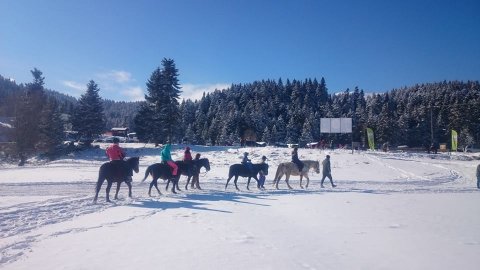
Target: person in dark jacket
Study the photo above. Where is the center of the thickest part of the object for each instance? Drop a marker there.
(296, 160)
(478, 176)
(247, 162)
(327, 172)
(261, 174)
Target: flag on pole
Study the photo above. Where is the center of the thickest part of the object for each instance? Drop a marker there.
(454, 140)
(371, 142)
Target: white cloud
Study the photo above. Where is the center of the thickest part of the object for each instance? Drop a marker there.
(195, 91)
(78, 87)
(117, 76)
(134, 93)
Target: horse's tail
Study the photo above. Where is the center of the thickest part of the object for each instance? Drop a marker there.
(278, 173)
(100, 180)
(147, 172)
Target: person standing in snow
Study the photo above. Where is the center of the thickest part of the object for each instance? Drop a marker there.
(327, 172)
(261, 174)
(478, 176)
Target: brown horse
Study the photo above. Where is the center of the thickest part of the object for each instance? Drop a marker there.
(114, 172)
(290, 168)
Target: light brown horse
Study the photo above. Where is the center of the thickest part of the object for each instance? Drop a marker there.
(290, 168)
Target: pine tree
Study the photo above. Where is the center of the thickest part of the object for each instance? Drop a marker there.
(51, 129)
(169, 117)
(267, 136)
(306, 136)
(88, 118)
(189, 135)
(142, 123)
(159, 119)
(27, 117)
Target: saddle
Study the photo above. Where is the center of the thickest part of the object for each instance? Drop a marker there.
(168, 166)
(120, 169)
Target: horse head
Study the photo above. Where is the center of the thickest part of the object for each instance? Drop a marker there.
(205, 163)
(133, 162)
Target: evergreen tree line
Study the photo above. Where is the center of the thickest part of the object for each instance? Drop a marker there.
(290, 112)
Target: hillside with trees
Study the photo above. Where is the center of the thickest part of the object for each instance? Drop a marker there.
(272, 110)
(290, 112)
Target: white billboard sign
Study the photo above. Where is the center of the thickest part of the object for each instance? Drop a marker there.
(336, 125)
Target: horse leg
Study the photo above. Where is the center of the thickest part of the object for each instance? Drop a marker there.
(188, 181)
(118, 189)
(308, 180)
(109, 185)
(168, 183)
(258, 182)
(176, 184)
(301, 178)
(156, 186)
(192, 185)
(287, 177)
(197, 183)
(276, 181)
(248, 183)
(173, 186)
(228, 180)
(97, 188)
(129, 184)
(235, 181)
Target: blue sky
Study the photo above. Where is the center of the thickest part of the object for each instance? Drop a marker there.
(375, 45)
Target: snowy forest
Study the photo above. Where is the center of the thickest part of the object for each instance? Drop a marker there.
(286, 111)
(290, 112)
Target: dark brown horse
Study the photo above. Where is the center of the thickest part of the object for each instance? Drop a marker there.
(162, 171)
(242, 170)
(203, 162)
(192, 171)
(115, 172)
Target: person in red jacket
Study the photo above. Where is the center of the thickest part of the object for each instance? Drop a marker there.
(114, 151)
(187, 156)
(116, 155)
(188, 160)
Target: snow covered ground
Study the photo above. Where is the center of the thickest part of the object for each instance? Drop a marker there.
(389, 211)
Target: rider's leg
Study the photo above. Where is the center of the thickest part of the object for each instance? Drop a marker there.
(174, 166)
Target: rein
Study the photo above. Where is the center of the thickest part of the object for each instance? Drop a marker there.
(205, 173)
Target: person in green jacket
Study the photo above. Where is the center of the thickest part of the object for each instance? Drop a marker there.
(167, 158)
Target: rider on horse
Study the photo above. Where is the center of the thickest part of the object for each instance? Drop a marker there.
(116, 155)
(187, 158)
(296, 160)
(167, 158)
(247, 162)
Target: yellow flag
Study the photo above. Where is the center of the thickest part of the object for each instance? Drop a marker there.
(371, 142)
(454, 140)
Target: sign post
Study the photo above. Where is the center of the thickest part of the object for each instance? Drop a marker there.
(336, 125)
